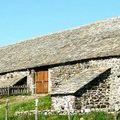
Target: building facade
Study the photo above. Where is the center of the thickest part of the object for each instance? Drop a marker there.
(79, 67)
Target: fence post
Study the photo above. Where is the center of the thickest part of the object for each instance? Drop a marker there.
(115, 115)
(36, 108)
(115, 112)
(6, 109)
(8, 90)
(68, 110)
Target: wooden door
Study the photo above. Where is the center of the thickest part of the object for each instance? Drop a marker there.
(41, 81)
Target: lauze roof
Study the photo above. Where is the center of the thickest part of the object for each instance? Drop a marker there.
(73, 84)
(11, 81)
(99, 39)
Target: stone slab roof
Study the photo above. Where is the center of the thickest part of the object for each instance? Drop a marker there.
(100, 39)
(11, 81)
(78, 81)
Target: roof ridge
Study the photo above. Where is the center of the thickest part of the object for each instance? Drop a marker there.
(61, 31)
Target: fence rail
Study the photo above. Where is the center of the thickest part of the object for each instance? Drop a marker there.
(14, 90)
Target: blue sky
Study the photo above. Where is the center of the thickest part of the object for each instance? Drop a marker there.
(23, 19)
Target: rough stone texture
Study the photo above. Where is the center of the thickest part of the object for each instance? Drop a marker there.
(94, 95)
(78, 81)
(100, 39)
(30, 82)
(63, 73)
(64, 103)
(114, 96)
(10, 79)
(103, 92)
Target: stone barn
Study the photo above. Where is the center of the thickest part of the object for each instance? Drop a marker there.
(79, 66)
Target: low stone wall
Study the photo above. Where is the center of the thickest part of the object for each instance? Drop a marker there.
(63, 103)
(106, 94)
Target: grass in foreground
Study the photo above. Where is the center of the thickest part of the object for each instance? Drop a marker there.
(48, 117)
(87, 116)
(44, 103)
(98, 116)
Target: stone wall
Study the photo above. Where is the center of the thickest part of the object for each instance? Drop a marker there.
(58, 74)
(106, 94)
(114, 94)
(30, 82)
(63, 103)
(94, 94)
(13, 75)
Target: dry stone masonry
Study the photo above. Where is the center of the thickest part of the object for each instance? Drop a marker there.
(87, 60)
(102, 92)
(9, 79)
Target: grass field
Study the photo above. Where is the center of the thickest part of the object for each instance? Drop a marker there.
(23, 104)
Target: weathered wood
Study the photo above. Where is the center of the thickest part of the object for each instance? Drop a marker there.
(41, 79)
(6, 109)
(36, 108)
(14, 90)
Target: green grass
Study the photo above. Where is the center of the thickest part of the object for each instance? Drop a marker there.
(98, 116)
(44, 103)
(47, 117)
(87, 116)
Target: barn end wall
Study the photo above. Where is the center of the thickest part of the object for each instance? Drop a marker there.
(105, 95)
(12, 75)
(94, 94)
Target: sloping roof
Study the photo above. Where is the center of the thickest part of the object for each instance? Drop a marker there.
(78, 81)
(11, 81)
(99, 39)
